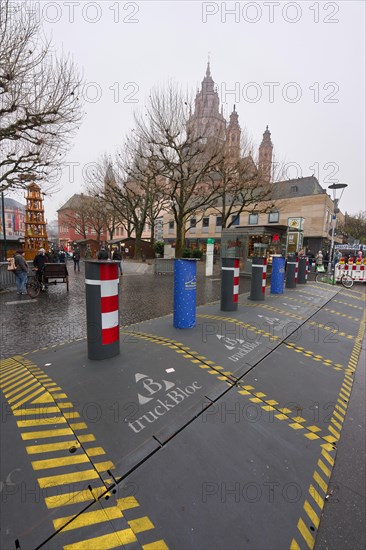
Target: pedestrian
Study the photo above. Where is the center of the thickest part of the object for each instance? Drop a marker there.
(326, 260)
(39, 261)
(76, 259)
(102, 254)
(337, 257)
(117, 257)
(319, 261)
(21, 270)
(62, 256)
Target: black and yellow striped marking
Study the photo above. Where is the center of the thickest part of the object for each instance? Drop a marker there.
(45, 418)
(315, 357)
(313, 506)
(278, 310)
(340, 314)
(248, 326)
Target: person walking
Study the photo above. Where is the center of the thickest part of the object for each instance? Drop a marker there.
(38, 262)
(319, 261)
(62, 256)
(117, 257)
(21, 270)
(102, 254)
(76, 259)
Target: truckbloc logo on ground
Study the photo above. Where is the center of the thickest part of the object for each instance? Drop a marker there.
(167, 401)
(241, 347)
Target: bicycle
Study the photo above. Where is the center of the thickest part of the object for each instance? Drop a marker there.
(322, 277)
(33, 286)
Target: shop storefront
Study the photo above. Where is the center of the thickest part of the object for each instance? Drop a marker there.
(246, 243)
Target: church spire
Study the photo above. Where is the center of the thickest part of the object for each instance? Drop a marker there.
(265, 156)
(233, 134)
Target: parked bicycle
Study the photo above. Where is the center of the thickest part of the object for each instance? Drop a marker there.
(33, 286)
(329, 278)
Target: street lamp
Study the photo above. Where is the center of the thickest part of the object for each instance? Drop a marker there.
(335, 187)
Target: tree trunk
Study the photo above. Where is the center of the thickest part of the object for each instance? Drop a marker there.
(180, 237)
(138, 233)
(152, 233)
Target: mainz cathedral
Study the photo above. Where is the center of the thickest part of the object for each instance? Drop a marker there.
(208, 120)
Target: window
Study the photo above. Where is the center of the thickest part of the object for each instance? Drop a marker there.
(253, 219)
(273, 217)
(218, 221)
(171, 224)
(235, 218)
(205, 222)
(193, 222)
(294, 189)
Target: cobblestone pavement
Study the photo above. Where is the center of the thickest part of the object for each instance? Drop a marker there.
(57, 315)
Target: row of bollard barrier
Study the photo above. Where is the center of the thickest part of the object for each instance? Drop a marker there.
(102, 294)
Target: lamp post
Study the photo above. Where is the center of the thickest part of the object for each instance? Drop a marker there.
(335, 187)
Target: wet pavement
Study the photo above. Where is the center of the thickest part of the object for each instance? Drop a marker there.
(59, 316)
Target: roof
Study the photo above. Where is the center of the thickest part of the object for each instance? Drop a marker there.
(73, 202)
(299, 187)
(13, 204)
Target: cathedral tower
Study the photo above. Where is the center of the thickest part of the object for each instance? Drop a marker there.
(233, 134)
(207, 121)
(265, 156)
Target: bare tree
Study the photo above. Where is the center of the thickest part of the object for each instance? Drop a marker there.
(40, 107)
(175, 152)
(76, 215)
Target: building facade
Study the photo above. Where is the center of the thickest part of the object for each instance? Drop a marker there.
(14, 220)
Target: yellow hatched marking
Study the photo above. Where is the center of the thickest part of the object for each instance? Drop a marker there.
(330, 438)
(104, 466)
(312, 515)
(341, 418)
(35, 385)
(317, 498)
(50, 447)
(320, 481)
(244, 392)
(13, 375)
(86, 438)
(38, 411)
(334, 432)
(260, 394)
(127, 503)
(284, 410)
(271, 402)
(43, 422)
(45, 433)
(63, 479)
(311, 436)
(328, 457)
(87, 518)
(313, 428)
(255, 400)
(157, 545)
(22, 387)
(67, 499)
(7, 387)
(281, 416)
(296, 426)
(66, 405)
(338, 426)
(51, 390)
(105, 542)
(27, 398)
(95, 451)
(323, 467)
(79, 426)
(71, 415)
(294, 545)
(308, 537)
(299, 419)
(267, 407)
(60, 396)
(59, 462)
(140, 525)
(45, 398)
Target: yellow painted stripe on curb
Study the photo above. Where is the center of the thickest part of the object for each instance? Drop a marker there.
(63, 479)
(157, 545)
(59, 462)
(105, 542)
(127, 503)
(45, 433)
(140, 525)
(51, 447)
(87, 518)
(44, 422)
(323, 467)
(312, 515)
(320, 481)
(308, 537)
(316, 496)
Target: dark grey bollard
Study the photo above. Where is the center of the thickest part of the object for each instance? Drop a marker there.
(102, 312)
(229, 284)
(259, 278)
(291, 272)
(303, 270)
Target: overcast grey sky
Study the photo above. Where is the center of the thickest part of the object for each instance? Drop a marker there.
(313, 53)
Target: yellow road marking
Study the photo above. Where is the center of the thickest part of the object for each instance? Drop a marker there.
(87, 518)
(44, 422)
(50, 447)
(64, 479)
(45, 433)
(105, 542)
(140, 525)
(59, 462)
